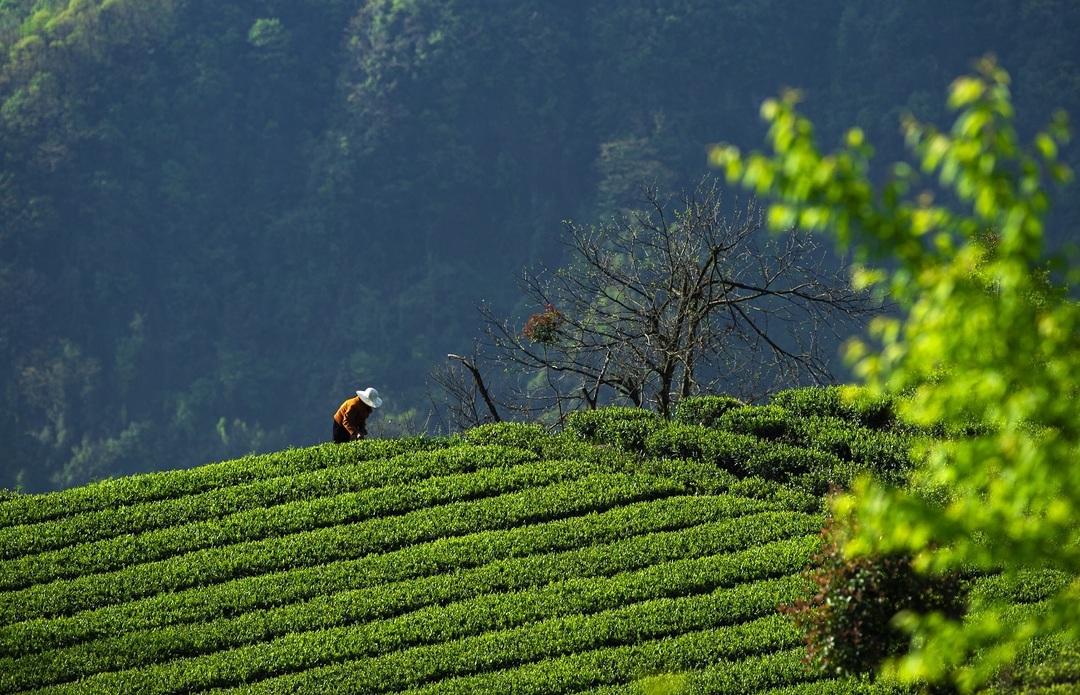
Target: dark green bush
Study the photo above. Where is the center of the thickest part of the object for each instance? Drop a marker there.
(846, 619)
(587, 424)
(705, 410)
(1026, 586)
(162, 485)
(726, 451)
(622, 427)
(519, 435)
(761, 421)
(885, 453)
(820, 482)
(761, 489)
(731, 451)
(777, 461)
(1050, 667)
(697, 477)
(848, 403)
(677, 440)
(825, 433)
(812, 401)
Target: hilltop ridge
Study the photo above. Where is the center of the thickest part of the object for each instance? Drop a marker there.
(506, 559)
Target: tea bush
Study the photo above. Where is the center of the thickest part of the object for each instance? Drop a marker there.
(705, 410)
(144, 516)
(812, 470)
(848, 403)
(622, 427)
(295, 517)
(520, 435)
(1050, 667)
(1029, 586)
(621, 539)
(681, 441)
(381, 534)
(149, 487)
(761, 421)
(726, 451)
(885, 453)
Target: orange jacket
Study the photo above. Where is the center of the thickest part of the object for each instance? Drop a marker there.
(353, 415)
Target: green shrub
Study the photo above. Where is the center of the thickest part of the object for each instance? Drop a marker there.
(607, 542)
(761, 421)
(162, 485)
(218, 503)
(1026, 586)
(726, 451)
(697, 477)
(622, 427)
(1049, 667)
(846, 621)
(324, 544)
(793, 498)
(566, 446)
(821, 482)
(885, 453)
(849, 403)
(731, 451)
(705, 410)
(520, 435)
(535, 439)
(825, 401)
(777, 461)
(303, 515)
(680, 441)
(824, 433)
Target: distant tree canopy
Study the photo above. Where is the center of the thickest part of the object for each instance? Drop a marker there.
(216, 218)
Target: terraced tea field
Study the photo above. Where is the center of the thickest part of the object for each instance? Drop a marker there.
(504, 561)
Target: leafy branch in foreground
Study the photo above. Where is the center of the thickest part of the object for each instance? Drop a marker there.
(987, 346)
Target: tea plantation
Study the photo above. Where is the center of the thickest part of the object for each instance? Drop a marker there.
(505, 560)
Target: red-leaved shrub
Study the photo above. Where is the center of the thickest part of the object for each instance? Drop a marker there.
(847, 620)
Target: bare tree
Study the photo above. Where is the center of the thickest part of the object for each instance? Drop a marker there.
(478, 379)
(672, 301)
(464, 393)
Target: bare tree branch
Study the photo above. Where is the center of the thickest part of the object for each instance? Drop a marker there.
(675, 299)
(479, 385)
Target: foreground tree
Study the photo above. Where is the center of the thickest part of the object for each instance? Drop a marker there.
(674, 300)
(987, 346)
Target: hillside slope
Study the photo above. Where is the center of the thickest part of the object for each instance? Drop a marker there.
(505, 560)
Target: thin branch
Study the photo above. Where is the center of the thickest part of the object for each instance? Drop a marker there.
(479, 385)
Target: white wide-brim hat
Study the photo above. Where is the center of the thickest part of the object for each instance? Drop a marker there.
(370, 396)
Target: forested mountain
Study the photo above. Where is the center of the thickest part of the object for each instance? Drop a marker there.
(218, 219)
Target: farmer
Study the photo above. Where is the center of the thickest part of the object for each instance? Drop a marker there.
(350, 420)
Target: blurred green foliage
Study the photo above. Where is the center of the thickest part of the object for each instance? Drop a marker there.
(986, 350)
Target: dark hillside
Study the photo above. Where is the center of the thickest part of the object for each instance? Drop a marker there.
(217, 218)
